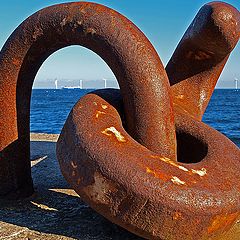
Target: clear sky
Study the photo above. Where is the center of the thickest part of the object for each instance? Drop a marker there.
(162, 21)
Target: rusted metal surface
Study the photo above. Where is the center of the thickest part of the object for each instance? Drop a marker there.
(118, 41)
(145, 192)
(148, 193)
(201, 55)
(119, 151)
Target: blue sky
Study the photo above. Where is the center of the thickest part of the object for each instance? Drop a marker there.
(163, 22)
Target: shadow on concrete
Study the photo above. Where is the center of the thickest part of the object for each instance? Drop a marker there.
(55, 211)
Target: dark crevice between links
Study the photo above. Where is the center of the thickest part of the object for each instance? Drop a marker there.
(190, 149)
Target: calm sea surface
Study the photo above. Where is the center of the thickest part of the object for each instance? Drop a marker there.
(50, 108)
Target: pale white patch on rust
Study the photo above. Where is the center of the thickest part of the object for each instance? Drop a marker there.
(94, 103)
(169, 161)
(63, 22)
(202, 98)
(183, 168)
(37, 33)
(118, 135)
(177, 181)
(178, 166)
(104, 106)
(226, 16)
(73, 165)
(201, 172)
(99, 113)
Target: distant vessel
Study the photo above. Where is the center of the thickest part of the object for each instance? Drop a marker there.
(75, 87)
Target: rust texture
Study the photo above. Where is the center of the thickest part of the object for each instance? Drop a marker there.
(141, 156)
(201, 55)
(113, 37)
(147, 192)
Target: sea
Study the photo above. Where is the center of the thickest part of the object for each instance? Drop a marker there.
(50, 108)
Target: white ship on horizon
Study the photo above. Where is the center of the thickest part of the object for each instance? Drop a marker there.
(74, 87)
(80, 86)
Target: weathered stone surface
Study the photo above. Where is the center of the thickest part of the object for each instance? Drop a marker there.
(55, 211)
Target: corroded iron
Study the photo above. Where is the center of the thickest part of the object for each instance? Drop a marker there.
(159, 173)
(113, 37)
(201, 55)
(146, 192)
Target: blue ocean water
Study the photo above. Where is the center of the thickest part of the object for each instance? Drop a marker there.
(50, 108)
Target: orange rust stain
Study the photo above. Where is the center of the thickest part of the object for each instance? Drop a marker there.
(165, 159)
(181, 96)
(157, 174)
(148, 170)
(16, 62)
(220, 222)
(200, 172)
(82, 9)
(98, 113)
(177, 216)
(169, 161)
